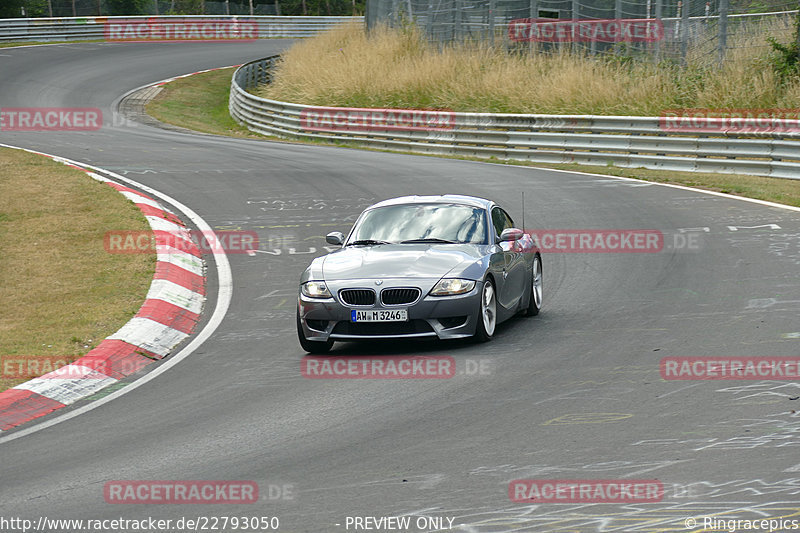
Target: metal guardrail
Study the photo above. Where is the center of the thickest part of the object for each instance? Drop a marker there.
(632, 142)
(93, 28)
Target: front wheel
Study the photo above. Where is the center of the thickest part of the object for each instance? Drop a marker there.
(535, 304)
(487, 312)
(311, 346)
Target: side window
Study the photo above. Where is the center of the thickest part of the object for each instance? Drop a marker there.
(501, 220)
(509, 222)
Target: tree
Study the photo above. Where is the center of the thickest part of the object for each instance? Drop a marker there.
(126, 7)
(321, 7)
(786, 57)
(187, 7)
(11, 8)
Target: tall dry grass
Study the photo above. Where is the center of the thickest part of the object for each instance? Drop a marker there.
(746, 79)
(399, 69)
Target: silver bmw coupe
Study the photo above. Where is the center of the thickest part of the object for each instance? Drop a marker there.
(442, 267)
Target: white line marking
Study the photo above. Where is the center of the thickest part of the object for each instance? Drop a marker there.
(224, 297)
(682, 187)
(770, 226)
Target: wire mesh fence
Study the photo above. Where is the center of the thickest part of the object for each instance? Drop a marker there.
(702, 31)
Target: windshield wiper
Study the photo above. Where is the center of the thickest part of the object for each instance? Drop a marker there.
(367, 242)
(428, 239)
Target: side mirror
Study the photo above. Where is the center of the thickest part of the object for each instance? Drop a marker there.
(334, 237)
(511, 234)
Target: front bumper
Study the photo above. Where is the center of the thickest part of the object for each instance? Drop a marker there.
(442, 317)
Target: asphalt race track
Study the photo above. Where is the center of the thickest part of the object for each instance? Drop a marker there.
(572, 394)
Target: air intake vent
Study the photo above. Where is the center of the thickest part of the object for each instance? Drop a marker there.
(357, 296)
(399, 296)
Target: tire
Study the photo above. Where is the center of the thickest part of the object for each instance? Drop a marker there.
(537, 286)
(319, 347)
(487, 312)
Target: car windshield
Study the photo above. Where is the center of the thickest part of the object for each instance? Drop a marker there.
(451, 223)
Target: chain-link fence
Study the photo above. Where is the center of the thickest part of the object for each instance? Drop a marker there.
(702, 31)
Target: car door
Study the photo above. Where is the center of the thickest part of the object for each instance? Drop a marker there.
(512, 286)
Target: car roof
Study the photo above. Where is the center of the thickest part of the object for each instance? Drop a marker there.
(437, 199)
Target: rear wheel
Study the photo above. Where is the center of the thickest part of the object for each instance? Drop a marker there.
(487, 316)
(311, 346)
(535, 304)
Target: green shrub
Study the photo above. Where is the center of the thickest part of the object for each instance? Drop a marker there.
(786, 57)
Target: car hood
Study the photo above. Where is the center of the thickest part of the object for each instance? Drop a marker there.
(398, 261)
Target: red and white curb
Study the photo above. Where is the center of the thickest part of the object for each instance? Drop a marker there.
(169, 315)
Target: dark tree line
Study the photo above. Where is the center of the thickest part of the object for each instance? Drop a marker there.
(43, 8)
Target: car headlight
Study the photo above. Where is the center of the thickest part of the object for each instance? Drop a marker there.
(449, 287)
(315, 289)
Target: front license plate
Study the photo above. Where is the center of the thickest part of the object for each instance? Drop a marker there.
(379, 315)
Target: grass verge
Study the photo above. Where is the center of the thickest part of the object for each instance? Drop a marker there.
(199, 103)
(177, 104)
(62, 292)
